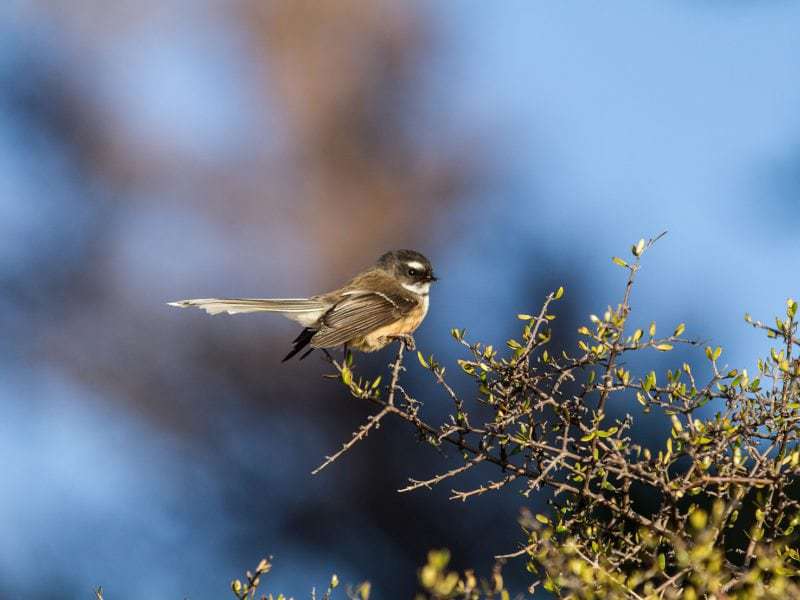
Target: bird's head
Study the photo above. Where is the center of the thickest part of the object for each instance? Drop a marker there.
(411, 268)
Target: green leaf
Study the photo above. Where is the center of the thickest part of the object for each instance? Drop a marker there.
(364, 590)
(543, 519)
(618, 261)
(664, 347)
(676, 424)
(525, 317)
(559, 293)
(649, 381)
(679, 329)
(422, 360)
(698, 519)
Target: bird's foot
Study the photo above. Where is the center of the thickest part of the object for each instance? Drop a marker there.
(408, 341)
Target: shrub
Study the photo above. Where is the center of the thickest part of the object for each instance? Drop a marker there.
(707, 512)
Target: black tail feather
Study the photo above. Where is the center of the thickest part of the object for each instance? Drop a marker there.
(300, 342)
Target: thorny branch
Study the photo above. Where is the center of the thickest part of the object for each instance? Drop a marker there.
(564, 421)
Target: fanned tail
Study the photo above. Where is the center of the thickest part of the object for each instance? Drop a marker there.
(305, 311)
(235, 306)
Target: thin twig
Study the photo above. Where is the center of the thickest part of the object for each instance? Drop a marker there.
(372, 423)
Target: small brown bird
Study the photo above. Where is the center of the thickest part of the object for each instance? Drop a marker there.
(386, 302)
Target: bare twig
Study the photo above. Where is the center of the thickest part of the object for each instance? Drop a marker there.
(373, 422)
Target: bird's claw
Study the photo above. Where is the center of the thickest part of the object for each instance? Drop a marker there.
(407, 341)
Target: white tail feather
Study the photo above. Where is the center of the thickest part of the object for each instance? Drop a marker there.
(303, 310)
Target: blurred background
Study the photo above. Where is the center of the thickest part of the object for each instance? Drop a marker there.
(154, 150)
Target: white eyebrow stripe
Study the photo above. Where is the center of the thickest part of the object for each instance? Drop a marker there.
(415, 264)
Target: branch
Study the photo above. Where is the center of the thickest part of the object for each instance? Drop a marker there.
(373, 422)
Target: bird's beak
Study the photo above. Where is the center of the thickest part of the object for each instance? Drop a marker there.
(432, 277)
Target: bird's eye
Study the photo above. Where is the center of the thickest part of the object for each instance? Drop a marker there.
(412, 272)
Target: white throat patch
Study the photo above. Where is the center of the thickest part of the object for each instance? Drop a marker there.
(421, 289)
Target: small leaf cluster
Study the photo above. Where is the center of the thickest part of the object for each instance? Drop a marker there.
(439, 583)
(248, 589)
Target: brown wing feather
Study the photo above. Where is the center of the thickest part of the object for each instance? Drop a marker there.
(358, 315)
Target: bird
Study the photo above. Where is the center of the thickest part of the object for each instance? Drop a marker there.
(386, 302)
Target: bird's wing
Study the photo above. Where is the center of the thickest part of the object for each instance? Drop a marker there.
(357, 314)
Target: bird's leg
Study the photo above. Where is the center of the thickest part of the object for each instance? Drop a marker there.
(347, 355)
(408, 340)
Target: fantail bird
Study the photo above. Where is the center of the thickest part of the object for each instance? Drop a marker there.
(386, 302)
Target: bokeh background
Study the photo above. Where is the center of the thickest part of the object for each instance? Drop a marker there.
(154, 150)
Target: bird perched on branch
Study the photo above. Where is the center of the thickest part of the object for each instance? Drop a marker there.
(386, 302)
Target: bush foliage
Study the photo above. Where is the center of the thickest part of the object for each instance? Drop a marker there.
(707, 512)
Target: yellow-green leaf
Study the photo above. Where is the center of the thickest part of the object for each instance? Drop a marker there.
(618, 261)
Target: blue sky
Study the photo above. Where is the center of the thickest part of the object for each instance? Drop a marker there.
(615, 120)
